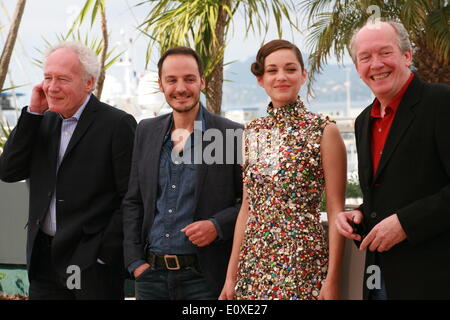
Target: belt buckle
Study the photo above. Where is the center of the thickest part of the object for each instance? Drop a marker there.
(167, 258)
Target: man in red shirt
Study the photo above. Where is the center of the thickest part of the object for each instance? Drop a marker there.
(403, 142)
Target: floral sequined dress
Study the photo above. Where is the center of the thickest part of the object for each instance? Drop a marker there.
(284, 254)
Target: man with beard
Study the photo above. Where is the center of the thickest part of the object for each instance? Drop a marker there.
(181, 207)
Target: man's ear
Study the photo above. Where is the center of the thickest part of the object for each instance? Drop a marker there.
(409, 57)
(90, 84)
(202, 83)
(161, 88)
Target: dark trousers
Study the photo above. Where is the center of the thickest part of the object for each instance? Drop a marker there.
(163, 284)
(379, 294)
(96, 282)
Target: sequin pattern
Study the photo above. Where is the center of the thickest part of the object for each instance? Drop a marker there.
(284, 254)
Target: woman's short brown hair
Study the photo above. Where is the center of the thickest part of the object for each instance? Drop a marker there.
(257, 67)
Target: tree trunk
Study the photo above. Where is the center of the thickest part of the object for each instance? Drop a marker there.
(10, 41)
(101, 77)
(215, 81)
(429, 68)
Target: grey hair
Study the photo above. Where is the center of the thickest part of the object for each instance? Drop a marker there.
(402, 36)
(87, 57)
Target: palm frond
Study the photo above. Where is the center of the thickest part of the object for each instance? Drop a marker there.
(95, 44)
(438, 29)
(332, 23)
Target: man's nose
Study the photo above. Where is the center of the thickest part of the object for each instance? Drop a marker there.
(52, 85)
(180, 87)
(377, 62)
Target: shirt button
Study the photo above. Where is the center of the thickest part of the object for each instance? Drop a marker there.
(373, 215)
(379, 130)
(170, 210)
(167, 235)
(174, 186)
(381, 152)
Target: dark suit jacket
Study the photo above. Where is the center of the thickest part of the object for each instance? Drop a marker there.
(218, 194)
(90, 184)
(412, 180)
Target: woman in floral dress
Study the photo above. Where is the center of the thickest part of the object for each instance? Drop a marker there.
(280, 250)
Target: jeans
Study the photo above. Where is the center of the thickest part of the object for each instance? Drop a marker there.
(163, 284)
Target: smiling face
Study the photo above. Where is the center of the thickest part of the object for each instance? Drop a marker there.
(181, 82)
(65, 84)
(380, 62)
(283, 77)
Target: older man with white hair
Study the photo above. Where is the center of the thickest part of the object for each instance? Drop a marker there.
(76, 153)
(403, 141)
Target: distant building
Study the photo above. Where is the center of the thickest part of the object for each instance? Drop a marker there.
(346, 126)
(243, 115)
(142, 101)
(8, 112)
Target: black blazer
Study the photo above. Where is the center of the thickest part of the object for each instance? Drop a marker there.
(218, 194)
(412, 180)
(90, 184)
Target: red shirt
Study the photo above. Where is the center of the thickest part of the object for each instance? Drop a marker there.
(382, 125)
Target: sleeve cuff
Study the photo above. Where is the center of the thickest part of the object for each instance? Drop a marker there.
(35, 113)
(134, 266)
(218, 228)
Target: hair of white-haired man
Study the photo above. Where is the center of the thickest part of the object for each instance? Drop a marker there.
(88, 59)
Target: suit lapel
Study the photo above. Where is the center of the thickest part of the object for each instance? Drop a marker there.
(365, 148)
(87, 118)
(153, 145)
(55, 133)
(402, 121)
(202, 167)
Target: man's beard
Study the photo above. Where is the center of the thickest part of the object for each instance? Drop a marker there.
(187, 109)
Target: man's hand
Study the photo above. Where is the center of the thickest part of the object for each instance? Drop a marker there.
(343, 220)
(201, 233)
(384, 235)
(38, 103)
(139, 270)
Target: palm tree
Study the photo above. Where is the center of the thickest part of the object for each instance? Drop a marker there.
(331, 25)
(95, 6)
(204, 26)
(10, 41)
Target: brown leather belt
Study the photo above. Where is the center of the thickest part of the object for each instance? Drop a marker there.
(170, 261)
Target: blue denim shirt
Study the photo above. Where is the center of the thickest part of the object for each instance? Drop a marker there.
(175, 201)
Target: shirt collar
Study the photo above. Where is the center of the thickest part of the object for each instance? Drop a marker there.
(200, 117)
(375, 112)
(80, 110)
